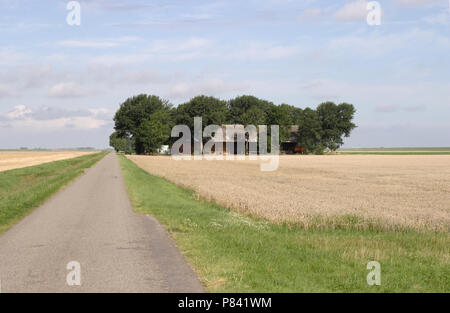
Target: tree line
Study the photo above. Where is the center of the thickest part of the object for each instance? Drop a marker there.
(143, 123)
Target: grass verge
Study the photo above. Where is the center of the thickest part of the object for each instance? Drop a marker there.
(23, 189)
(235, 253)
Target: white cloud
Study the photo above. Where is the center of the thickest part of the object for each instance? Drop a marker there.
(170, 46)
(261, 51)
(352, 11)
(210, 86)
(195, 43)
(49, 119)
(442, 18)
(182, 50)
(114, 75)
(121, 59)
(102, 113)
(6, 90)
(196, 48)
(16, 79)
(67, 90)
(419, 2)
(415, 108)
(199, 16)
(369, 45)
(9, 56)
(390, 107)
(77, 123)
(386, 107)
(19, 111)
(96, 43)
(87, 44)
(383, 97)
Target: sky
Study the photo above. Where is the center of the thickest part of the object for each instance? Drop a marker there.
(60, 84)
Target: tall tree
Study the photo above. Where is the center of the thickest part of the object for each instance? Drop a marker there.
(296, 115)
(249, 110)
(212, 110)
(143, 122)
(283, 116)
(135, 110)
(119, 144)
(154, 132)
(336, 121)
(310, 131)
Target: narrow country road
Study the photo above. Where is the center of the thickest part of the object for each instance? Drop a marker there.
(91, 221)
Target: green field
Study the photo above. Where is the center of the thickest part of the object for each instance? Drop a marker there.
(235, 253)
(22, 190)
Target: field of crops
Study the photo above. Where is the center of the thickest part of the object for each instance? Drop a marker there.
(389, 191)
(17, 159)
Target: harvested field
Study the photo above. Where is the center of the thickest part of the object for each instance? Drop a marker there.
(17, 159)
(391, 191)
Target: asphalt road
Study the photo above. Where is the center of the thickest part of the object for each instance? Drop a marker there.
(92, 222)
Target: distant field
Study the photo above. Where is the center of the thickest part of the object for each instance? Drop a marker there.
(400, 151)
(11, 159)
(332, 191)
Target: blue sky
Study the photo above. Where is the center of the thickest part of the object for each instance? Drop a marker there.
(60, 85)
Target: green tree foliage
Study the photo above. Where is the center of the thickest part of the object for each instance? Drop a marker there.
(310, 131)
(249, 110)
(132, 113)
(118, 143)
(282, 115)
(154, 132)
(212, 110)
(336, 121)
(135, 110)
(143, 123)
(253, 116)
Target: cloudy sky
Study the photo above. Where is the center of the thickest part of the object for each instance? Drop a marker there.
(60, 85)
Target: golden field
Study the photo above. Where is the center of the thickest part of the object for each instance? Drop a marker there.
(17, 159)
(389, 190)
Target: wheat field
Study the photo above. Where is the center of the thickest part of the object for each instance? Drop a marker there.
(389, 190)
(17, 159)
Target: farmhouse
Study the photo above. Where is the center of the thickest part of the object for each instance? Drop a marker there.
(230, 141)
(234, 139)
(290, 146)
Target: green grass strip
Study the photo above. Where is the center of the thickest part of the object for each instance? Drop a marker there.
(23, 189)
(235, 253)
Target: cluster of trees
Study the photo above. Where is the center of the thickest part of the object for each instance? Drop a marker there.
(143, 123)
